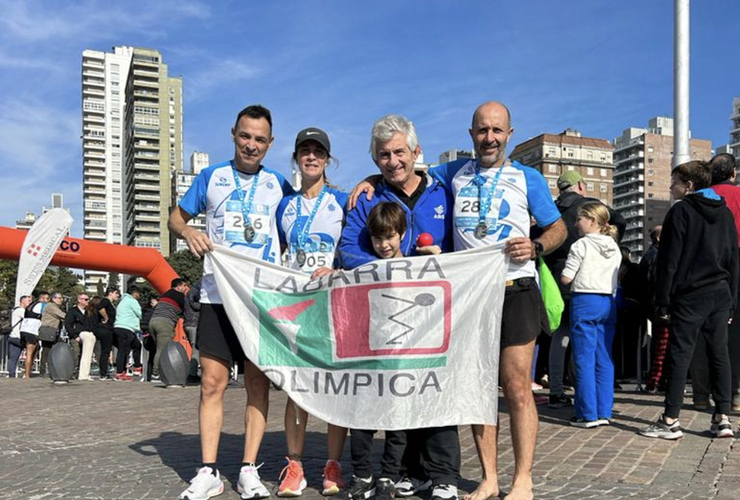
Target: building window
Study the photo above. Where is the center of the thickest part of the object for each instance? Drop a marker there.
(603, 188)
(551, 152)
(650, 149)
(590, 154)
(650, 160)
(589, 186)
(603, 172)
(650, 183)
(571, 167)
(603, 157)
(553, 169)
(650, 195)
(570, 153)
(589, 171)
(651, 172)
(551, 183)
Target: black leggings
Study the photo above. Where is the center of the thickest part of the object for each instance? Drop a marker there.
(125, 340)
(104, 334)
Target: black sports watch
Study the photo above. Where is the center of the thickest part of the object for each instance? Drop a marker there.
(538, 249)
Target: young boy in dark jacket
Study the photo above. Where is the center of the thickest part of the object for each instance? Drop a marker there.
(697, 291)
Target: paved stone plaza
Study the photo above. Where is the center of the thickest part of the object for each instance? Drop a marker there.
(135, 440)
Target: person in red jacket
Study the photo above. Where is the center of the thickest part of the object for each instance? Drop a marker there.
(724, 178)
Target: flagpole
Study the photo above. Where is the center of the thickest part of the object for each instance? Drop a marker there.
(681, 153)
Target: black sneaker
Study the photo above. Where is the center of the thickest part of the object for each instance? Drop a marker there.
(444, 492)
(384, 489)
(559, 400)
(583, 423)
(359, 489)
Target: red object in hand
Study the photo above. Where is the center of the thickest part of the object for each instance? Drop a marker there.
(424, 240)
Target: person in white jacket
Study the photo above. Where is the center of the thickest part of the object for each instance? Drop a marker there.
(591, 269)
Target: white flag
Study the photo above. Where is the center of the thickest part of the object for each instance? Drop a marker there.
(39, 247)
(394, 344)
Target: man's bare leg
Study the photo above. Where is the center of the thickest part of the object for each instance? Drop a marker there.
(515, 367)
(255, 418)
(211, 410)
(486, 442)
(295, 429)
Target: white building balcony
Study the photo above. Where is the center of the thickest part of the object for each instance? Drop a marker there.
(624, 180)
(629, 214)
(91, 91)
(632, 143)
(95, 206)
(140, 196)
(146, 218)
(146, 228)
(138, 176)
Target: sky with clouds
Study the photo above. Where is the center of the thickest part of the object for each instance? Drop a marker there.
(594, 65)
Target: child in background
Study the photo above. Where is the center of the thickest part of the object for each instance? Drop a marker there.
(592, 269)
(387, 226)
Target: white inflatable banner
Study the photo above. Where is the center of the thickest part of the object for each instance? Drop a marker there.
(41, 242)
(394, 344)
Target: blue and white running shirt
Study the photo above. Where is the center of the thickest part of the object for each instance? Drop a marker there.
(323, 237)
(521, 191)
(214, 192)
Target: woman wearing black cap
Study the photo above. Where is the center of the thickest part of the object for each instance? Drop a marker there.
(309, 225)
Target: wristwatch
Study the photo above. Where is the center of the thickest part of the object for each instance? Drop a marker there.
(538, 249)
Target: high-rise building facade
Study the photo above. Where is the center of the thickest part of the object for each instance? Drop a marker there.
(553, 154)
(642, 178)
(153, 150)
(735, 130)
(183, 181)
(103, 85)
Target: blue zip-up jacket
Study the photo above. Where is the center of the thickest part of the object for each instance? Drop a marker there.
(432, 214)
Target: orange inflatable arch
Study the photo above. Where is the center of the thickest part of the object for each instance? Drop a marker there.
(84, 254)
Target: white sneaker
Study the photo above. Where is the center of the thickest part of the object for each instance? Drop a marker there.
(409, 486)
(203, 486)
(250, 486)
(444, 492)
(723, 428)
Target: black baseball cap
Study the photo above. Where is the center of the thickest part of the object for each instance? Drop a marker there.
(313, 134)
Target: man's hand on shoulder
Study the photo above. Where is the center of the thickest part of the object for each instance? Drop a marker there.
(365, 186)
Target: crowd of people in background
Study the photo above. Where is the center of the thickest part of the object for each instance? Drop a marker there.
(681, 296)
(109, 331)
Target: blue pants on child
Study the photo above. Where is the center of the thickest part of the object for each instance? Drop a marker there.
(592, 324)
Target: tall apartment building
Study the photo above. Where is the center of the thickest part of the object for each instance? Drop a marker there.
(183, 181)
(735, 130)
(153, 149)
(553, 154)
(642, 178)
(103, 82)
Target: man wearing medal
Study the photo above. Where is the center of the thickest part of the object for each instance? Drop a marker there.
(240, 199)
(494, 200)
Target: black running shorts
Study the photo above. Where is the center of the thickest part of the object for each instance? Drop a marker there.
(216, 337)
(524, 316)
